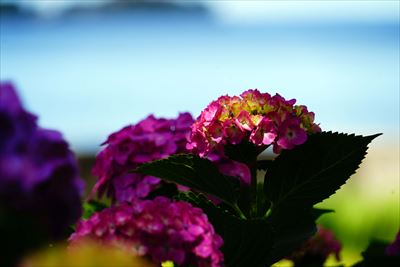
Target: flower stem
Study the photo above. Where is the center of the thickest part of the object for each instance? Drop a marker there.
(239, 211)
(253, 190)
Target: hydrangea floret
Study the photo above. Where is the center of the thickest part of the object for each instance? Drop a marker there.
(257, 117)
(160, 228)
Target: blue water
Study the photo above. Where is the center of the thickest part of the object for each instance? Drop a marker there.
(90, 75)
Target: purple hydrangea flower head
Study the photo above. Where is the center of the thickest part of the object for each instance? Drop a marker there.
(160, 228)
(394, 248)
(17, 125)
(257, 117)
(150, 139)
(39, 174)
(317, 249)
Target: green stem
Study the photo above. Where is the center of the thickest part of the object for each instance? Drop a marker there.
(253, 188)
(239, 211)
(268, 212)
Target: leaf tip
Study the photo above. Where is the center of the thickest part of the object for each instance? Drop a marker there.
(372, 137)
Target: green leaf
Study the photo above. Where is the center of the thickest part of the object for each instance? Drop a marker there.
(195, 172)
(246, 242)
(313, 171)
(319, 212)
(258, 242)
(91, 207)
(291, 228)
(262, 203)
(165, 189)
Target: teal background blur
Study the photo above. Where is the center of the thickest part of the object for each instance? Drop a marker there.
(88, 68)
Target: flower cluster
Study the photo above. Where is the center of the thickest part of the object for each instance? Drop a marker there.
(39, 175)
(150, 139)
(317, 249)
(257, 117)
(394, 248)
(159, 228)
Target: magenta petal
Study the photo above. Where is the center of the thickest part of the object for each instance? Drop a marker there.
(268, 138)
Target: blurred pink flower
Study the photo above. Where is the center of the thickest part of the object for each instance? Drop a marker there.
(159, 228)
(394, 248)
(317, 249)
(150, 139)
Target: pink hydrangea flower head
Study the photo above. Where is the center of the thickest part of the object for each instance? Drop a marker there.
(253, 116)
(150, 139)
(160, 228)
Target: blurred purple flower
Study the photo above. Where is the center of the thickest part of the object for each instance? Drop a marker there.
(394, 248)
(317, 249)
(159, 228)
(39, 174)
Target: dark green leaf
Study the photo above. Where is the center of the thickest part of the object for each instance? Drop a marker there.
(258, 242)
(165, 189)
(313, 171)
(192, 171)
(263, 204)
(319, 212)
(246, 242)
(291, 228)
